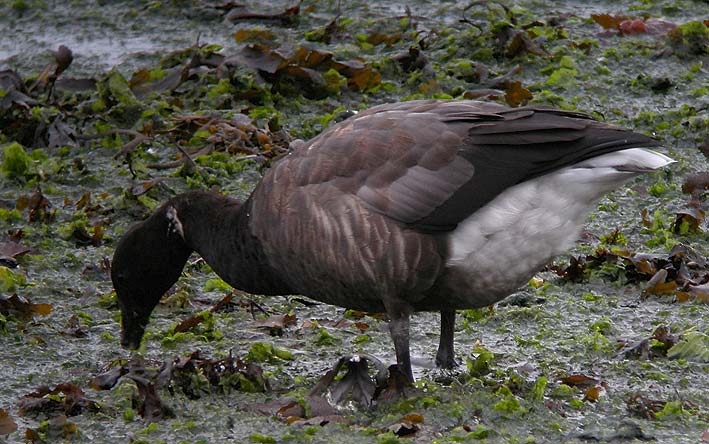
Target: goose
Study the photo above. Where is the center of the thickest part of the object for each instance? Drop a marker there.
(405, 207)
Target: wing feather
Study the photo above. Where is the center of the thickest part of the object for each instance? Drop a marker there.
(430, 164)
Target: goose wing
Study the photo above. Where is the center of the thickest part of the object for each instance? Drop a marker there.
(430, 164)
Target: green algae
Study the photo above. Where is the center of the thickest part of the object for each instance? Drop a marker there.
(694, 346)
(15, 161)
(266, 352)
(10, 281)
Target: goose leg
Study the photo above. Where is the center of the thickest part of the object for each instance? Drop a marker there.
(399, 330)
(445, 358)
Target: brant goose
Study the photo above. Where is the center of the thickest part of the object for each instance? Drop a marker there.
(405, 207)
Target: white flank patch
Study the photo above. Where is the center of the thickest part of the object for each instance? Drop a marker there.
(504, 243)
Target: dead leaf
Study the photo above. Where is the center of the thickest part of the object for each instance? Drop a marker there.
(501, 82)
(109, 378)
(39, 207)
(574, 272)
(225, 304)
(672, 274)
(304, 65)
(686, 254)
(608, 21)
(625, 25)
(22, 308)
(10, 251)
(15, 93)
(657, 285)
(66, 398)
(189, 323)
(325, 33)
(81, 236)
(700, 293)
(97, 236)
(644, 263)
(403, 428)
(14, 99)
(696, 182)
(313, 83)
(309, 323)
(414, 417)
(151, 407)
(580, 380)
(257, 35)
(32, 436)
(643, 407)
(291, 410)
(139, 77)
(411, 60)
(143, 187)
(521, 43)
(173, 78)
(277, 323)
(223, 374)
(60, 134)
(692, 217)
(653, 347)
(361, 326)
(7, 424)
(310, 58)
(375, 38)
(517, 95)
(663, 336)
(632, 26)
(83, 201)
(594, 393)
(361, 76)
(342, 323)
(682, 296)
(75, 329)
(132, 145)
(647, 221)
(196, 319)
(259, 57)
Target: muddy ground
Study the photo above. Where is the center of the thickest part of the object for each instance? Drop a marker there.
(160, 97)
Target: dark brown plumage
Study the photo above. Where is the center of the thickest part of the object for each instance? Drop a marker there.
(386, 212)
